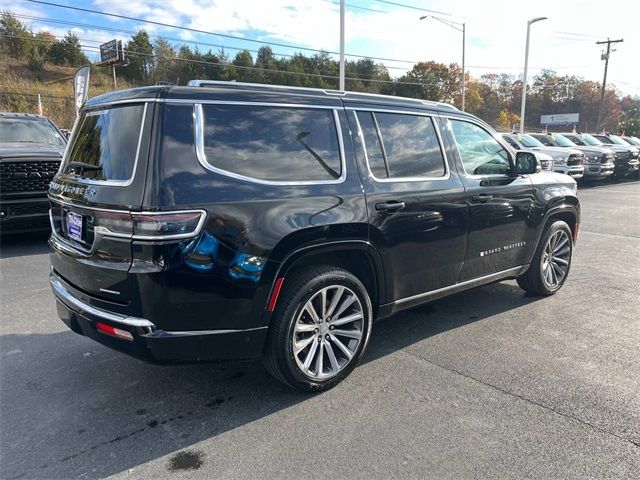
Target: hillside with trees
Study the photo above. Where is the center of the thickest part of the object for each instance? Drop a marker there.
(30, 63)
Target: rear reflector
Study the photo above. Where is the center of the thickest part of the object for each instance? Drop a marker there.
(116, 332)
(271, 306)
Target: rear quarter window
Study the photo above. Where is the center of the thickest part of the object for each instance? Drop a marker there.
(105, 144)
(273, 144)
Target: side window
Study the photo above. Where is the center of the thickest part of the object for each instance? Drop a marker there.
(544, 140)
(272, 144)
(512, 142)
(481, 154)
(402, 146)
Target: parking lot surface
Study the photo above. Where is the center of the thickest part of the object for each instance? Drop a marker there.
(487, 383)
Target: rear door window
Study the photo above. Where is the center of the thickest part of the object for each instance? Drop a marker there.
(105, 144)
(401, 145)
(272, 144)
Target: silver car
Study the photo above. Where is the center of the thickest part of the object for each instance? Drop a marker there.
(564, 161)
(599, 160)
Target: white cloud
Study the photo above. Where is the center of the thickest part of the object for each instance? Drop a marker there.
(495, 31)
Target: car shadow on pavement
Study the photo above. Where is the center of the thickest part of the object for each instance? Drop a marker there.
(591, 184)
(24, 244)
(71, 407)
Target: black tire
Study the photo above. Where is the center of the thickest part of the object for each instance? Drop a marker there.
(299, 287)
(533, 280)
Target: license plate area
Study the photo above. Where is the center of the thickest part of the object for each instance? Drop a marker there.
(74, 223)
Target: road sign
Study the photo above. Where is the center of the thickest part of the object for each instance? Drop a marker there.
(560, 119)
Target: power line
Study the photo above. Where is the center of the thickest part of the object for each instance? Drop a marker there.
(231, 65)
(412, 7)
(196, 42)
(195, 30)
(356, 7)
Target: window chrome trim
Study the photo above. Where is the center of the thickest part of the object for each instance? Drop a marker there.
(495, 135)
(447, 170)
(198, 118)
(112, 183)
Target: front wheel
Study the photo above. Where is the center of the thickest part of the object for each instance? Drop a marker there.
(550, 265)
(320, 328)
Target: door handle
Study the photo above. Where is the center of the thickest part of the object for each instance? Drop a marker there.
(482, 198)
(390, 206)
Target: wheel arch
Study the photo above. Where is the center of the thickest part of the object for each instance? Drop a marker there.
(356, 256)
(568, 212)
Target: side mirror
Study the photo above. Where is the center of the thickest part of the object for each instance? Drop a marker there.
(527, 163)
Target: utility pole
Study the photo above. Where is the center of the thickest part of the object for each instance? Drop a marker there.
(605, 57)
(342, 85)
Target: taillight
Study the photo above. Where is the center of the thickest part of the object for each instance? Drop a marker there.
(167, 225)
(149, 225)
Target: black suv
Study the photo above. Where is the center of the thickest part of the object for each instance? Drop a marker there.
(31, 148)
(227, 220)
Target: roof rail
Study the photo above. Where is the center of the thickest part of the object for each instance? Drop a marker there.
(228, 83)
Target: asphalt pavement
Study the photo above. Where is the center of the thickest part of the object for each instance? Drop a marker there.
(486, 383)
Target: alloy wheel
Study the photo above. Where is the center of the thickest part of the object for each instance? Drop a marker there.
(327, 332)
(556, 258)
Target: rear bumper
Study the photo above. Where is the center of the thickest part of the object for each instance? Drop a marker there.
(149, 343)
(24, 215)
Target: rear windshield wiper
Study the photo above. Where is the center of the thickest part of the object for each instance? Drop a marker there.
(82, 166)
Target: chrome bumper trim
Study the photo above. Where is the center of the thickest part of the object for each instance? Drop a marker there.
(68, 299)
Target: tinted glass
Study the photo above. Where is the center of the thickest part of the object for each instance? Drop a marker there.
(575, 139)
(618, 140)
(544, 140)
(23, 130)
(105, 145)
(481, 154)
(375, 155)
(511, 142)
(529, 141)
(274, 144)
(411, 145)
(562, 141)
(590, 140)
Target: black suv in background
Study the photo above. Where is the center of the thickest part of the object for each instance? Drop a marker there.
(31, 148)
(227, 220)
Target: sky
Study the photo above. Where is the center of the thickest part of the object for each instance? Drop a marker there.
(495, 30)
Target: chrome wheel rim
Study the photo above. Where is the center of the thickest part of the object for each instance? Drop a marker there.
(556, 258)
(327, 332)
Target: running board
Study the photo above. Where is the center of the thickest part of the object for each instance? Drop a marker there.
(421, 298)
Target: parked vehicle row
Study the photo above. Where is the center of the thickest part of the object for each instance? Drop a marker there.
(601, 159)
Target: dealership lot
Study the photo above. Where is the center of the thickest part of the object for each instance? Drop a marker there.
(487, 382)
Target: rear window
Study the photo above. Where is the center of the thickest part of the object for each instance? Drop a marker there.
(105, 144)
(272, 144)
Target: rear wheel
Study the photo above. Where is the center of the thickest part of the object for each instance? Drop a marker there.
(320, 328)
(551, 263)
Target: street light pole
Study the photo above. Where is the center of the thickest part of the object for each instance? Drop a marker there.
(526, 66)
(464, 74)
(456, 26)
(342, 83)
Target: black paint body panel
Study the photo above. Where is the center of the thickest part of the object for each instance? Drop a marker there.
(198, 284)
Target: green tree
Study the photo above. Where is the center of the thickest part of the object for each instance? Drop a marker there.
(67, 51)
(140, 54)
(16, 40)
